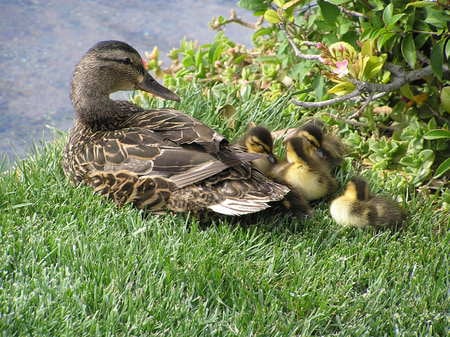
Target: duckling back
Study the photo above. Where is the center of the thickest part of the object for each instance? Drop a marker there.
(356, 207)
(388, 212)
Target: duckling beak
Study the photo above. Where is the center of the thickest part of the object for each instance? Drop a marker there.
(150, 85)
(272, 159)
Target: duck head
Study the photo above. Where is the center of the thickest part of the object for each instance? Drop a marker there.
(259, 140)
(107, 67)
(312, 132)
(299, 150)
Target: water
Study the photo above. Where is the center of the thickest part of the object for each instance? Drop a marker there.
(41, 41)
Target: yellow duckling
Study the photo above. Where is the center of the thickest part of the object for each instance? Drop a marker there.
(259, 140)
(357, 208)
(329, 148)
(303, 172)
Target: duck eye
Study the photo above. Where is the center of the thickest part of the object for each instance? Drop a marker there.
(126, 60)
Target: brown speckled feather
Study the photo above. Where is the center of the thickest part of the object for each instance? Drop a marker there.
(123, 164)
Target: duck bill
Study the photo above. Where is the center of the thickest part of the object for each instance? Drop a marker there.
(150, 85)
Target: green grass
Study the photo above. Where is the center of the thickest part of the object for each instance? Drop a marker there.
(72, 264)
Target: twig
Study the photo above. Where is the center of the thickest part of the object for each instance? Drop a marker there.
(296, 50)
(352, 13)
(216, 25)
(283, 133)
(328, 102)
(362, 107)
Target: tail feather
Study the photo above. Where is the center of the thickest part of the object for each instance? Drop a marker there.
(238, 207)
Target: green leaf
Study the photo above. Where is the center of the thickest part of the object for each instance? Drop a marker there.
(387, 13)
(373, 67)
(437, 134)
(385, 36)
(329, 11)
(395, 18)
(409, 50)
(279, 3)
(342, 88)
(421, 4)
(442, 168)
(421, 39)
(253, 5)
(338, 2)
(437, 59)
(269, 59)
(261, 32)
(271, 16)
(406, 91)
(437, 17)
(445, 98)
(291, 3)
(318, 84)
(447, 49)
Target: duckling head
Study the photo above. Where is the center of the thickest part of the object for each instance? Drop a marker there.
(357, 189)
(110, 66)
(259, 140)
(299, 150)
(312, 132)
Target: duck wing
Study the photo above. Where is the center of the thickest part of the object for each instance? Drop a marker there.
(143, 152)
(179, 128)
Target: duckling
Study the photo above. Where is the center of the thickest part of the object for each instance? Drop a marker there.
(159, 159)
(303, 173)
(258, 139)
(358, 208)
(329, 148)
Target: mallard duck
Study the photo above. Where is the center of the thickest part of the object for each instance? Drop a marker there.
(328, 147)
(259, 140)
(358, 208)
(159, 159)
(303, 172)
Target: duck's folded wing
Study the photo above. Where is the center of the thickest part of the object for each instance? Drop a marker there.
(179, 128)
(138, 155)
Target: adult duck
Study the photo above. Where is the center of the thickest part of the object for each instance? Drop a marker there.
(160, 159)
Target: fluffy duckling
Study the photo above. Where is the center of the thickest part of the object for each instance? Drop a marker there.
(259, 140)
(305, 174)
(328, 147)
(357, 208)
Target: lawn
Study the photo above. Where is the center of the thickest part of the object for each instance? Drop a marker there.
(73, 264)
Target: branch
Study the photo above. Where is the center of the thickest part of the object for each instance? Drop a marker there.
(216, 25)
(297, 51)
(375, 90)
(352, 13)
(401, 79)
(362, 107)
(328, 102)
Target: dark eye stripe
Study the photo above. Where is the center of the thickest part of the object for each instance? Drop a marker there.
(126, 61)
(123, 61)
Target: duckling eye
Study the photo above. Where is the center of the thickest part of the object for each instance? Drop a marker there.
(126, 60)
